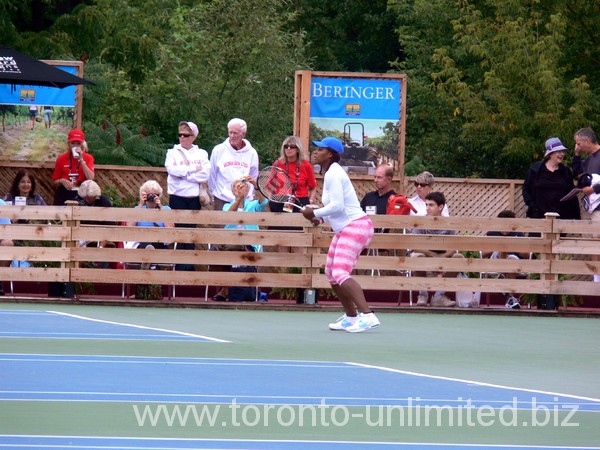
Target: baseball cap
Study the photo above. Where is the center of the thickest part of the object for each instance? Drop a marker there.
(332, 143)
(76, 135)
(554, 145)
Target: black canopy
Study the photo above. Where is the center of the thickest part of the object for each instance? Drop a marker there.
(16, 68)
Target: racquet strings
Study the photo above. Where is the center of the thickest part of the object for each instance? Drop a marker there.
(275, 184)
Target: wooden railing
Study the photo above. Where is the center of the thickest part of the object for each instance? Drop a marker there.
(53, 235)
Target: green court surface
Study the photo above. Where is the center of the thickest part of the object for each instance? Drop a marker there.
(550, 355)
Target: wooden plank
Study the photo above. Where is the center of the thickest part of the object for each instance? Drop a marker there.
(168, 277)
(34, 274)
(36, 232)
(35, 254)
(200, 257)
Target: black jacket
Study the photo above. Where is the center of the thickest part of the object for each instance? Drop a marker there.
(567, 210)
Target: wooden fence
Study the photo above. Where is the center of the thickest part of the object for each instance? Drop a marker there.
(53, 236)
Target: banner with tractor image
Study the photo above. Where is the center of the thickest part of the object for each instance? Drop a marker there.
(365, 111)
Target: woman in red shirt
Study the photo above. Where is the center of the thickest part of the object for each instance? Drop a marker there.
(294, 162)
(72, 168)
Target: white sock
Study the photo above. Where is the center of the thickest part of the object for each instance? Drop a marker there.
(597, 278)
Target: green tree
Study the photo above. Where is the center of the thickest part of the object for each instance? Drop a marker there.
(122, 146)
(202, 61)
(225, 59)
(349, 35)
(497, 89)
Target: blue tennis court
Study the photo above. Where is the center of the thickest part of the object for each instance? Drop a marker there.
(175, 380)
(61, 325)
(175, 402)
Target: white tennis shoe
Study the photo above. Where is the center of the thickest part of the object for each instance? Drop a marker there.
(365, 322)
(343, 322)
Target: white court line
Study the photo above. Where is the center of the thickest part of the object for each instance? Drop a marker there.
(271, 363)
(163, 361)
(277, 441)
(190, 360)
(275, 363)
(139, 326)
(478, 383)
(22, 312)
(250, 399)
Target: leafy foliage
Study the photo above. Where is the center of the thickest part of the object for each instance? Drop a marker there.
(119, 145)
(500, 87)
(488, 80)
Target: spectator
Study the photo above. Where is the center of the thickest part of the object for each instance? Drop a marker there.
(434, 204)
(33, 110)
(150, 198)
(4, 243)
(586, 142)
(353, 232)
(511, 300)
(293, 161)
(90, 194)
(240, 189)
(24, 185)
(233, 159)
(547, 182)
(72, 168)
(424, 185)
(48, 110)
(375, 202)
(188, 167)
(23, 188)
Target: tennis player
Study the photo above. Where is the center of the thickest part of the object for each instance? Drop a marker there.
(353, 232)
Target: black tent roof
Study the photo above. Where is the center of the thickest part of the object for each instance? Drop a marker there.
(17, 68)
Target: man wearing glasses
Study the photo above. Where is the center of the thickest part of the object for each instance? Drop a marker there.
(424, 185)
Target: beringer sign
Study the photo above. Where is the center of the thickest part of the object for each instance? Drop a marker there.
(352, 92)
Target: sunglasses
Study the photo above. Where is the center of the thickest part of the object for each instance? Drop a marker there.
(421, 184)
(290, 146)
(185, 135)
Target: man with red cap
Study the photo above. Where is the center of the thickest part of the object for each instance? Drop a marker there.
(72, 168)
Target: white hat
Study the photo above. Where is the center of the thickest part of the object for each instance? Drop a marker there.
(191, 125)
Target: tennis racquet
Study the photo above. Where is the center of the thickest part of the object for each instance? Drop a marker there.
(277, 186)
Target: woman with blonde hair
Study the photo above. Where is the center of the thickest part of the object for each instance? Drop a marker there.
(150, 198)
(294, 162)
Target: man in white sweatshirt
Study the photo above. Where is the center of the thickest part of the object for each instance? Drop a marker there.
(188, 167)
(231, 160)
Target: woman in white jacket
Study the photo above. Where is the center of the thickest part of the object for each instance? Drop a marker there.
(188, 167)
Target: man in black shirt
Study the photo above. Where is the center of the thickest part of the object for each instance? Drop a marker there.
(375, 202)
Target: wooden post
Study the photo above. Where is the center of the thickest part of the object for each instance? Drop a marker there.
(551, 236)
